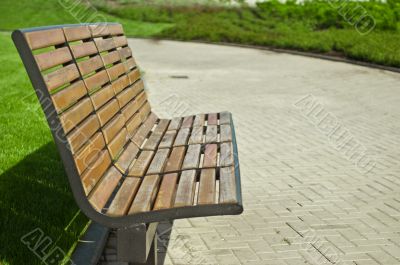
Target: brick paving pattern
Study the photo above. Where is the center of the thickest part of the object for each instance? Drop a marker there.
(306, 201)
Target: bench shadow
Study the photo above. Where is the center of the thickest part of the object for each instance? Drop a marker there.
(34, 194)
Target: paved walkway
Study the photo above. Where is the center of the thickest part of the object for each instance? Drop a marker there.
(319, 151)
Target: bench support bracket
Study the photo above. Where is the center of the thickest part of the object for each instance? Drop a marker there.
(138, 244)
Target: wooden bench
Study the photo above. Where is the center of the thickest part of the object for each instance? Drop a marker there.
(128, 169)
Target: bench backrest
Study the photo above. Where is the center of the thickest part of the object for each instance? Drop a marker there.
(91, 91)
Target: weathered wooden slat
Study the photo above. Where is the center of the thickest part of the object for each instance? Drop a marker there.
(166, 194)
(120, 41)
(124, 197)
(157, 134)
(84, 49)
(105, 44)
(126, 157)
(224, 118)
(175, 159)
(95, 171)
(139, 167)
(212, 134)
(97, 80)
(182, 137)
(69, 95)
(121, 83)
(192, 157)
(89, 152)
(70, 118)
(99, 30)
(78, 137)
(210, 156)
(132, 125)
(108, 111)
(212, 119)
(175, 124)
(134, 75)
(44, 38)
(53, 58)
(144, 111)
(102, 96)
(199, 120)
(111, 57)
(207, 187)
(90, 65)
(227, 185)
(113, 127)
(146, 195)
(129, 63)
(126, 53)
(102, 193)
(167, 140)
(144, 130)
(196, 137)
(77, 33)
(186, 189)
(61, 77)
(128, 94)
(116, 71)
(187, 122)
(115, 29)
(225, 133)
(158, 163)
(116, 145)
(226, 155)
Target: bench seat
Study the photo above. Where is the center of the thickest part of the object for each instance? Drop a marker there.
(125, 164)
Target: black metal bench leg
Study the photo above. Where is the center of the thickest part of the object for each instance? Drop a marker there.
(137, 245)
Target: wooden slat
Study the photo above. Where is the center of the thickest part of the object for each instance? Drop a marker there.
(186, 189)
(212, 134)
(155, 137)
(187, 122)
(121, 83)
(70, 118)
(116, 71)
(128, 94)
(224, 118)
(146, 195)
(226, 155)
(145, 111)
(95, 171)
(212, 119)
(210, 156)
(124, 197)
(78, 137)
(102, 96)
(77, 33)
(158, 162)
(199, 120)
(105, 44)
(44, 38)
(182, 137)
(84, 49)
(113, 127)
(69, 95)
(167, 140)
(196, 137)
(61, 77)
(90, 65)
(129, 63)
(144, 130)
(132, 125)
(134, 75)
(116, 145)
(111, 57)
(53, 58)
(207, 187)
(126, 53)
(126, 158)
(97, 80)
(131, 108)
(89, 152)
(139, 167)
(107, 111)
(101, 194)
(120, 41)
(175, 159)
(175, 124)
(225, 133)
(115, 29)
(166, 194)
(99, 30)
(227, 185)
(192, 157)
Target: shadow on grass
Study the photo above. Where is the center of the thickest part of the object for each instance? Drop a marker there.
(35, 194)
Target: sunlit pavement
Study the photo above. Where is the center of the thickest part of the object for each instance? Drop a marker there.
(319, 154)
